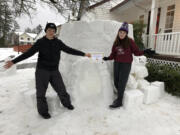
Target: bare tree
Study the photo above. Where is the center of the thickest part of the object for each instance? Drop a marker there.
(6, 22)
(74, 8)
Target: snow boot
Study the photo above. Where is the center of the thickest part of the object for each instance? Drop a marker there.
(116, 104)
(70, 106)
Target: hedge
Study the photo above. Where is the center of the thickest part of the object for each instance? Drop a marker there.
(167, 74)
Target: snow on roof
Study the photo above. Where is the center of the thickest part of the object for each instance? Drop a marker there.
(33, 35)
(98, 4)
(119, 5)
(116, 2)
(59, 23)
(19, 33)
(111, 2)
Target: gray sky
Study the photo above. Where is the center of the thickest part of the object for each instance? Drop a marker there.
(42, 15)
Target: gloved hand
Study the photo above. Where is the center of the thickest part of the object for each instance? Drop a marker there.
(149, 52)
(105, 58)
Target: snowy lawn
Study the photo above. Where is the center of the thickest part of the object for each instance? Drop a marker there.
(16, 118)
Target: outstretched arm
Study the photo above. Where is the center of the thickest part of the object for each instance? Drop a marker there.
(23, 56)
(112, 55)
(72, 51)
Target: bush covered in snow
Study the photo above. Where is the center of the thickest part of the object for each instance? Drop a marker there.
(166, 74)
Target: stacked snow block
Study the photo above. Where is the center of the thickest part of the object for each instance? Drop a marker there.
(28, 94)
(138, 89)
(153, 92)
(161, 87)
(133, 99)
(51, 97)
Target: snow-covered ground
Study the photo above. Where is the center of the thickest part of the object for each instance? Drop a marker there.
(6, 52)
(90, 84)
(17, 118)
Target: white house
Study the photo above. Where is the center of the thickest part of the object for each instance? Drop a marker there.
(26, 38)
(101, 10)
(161, 16)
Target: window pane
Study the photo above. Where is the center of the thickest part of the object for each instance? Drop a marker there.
(171, 7)
(169, 17)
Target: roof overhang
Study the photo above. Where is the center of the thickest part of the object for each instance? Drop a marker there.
(126, 4)
(119, 5)
(97, 4)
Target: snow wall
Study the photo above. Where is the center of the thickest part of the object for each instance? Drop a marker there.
(89, 81)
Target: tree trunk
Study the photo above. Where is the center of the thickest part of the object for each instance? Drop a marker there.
(83, 5)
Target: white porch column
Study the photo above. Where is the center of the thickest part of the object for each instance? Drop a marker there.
(153, 21)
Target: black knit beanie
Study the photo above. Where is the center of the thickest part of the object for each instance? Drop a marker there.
(50, 25)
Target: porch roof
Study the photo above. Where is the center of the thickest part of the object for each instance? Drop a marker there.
(97, 4)
(119, 5)
(130, 3)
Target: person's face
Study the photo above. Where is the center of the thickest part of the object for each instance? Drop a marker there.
(122, 34)
(50, 33)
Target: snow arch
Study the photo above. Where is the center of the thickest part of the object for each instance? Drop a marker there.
(91, 83)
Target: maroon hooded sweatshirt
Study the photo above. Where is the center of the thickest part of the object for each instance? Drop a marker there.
(119, 54)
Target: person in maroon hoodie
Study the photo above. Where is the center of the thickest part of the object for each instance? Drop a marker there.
(122, 51)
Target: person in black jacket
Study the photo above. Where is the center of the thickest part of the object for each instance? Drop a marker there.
(49, 48)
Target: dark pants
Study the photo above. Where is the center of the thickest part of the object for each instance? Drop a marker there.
(43, 77)
(121, 74)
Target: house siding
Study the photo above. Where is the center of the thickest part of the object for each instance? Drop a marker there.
(102, 12)
(176, 25)
(163, 4)
(130, 13)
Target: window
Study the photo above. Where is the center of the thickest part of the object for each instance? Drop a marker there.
(169, 18)
(141, 18)
(28, 39)
(22, 38)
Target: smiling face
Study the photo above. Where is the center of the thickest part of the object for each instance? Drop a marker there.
(122, 34)
(50, 33)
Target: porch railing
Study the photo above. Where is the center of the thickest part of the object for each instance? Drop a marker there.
(165, 43)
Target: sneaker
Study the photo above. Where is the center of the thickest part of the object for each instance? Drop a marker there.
(45, 115)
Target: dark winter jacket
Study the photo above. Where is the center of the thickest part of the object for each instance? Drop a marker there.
(49, 53)
(120, 54)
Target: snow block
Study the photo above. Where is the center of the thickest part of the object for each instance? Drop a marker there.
(51, 97)
(95, 83)
(53, 101)
(151, 94)
(23, 86)
(132, 98)
(133, 68)
(30, 98)
(161, 87)
(142, 84)
(141, 72)
(23, 90)
(132, 83)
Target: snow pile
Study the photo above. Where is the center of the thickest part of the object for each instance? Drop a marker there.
(97, 37)
(91, 78)
(91, 83)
